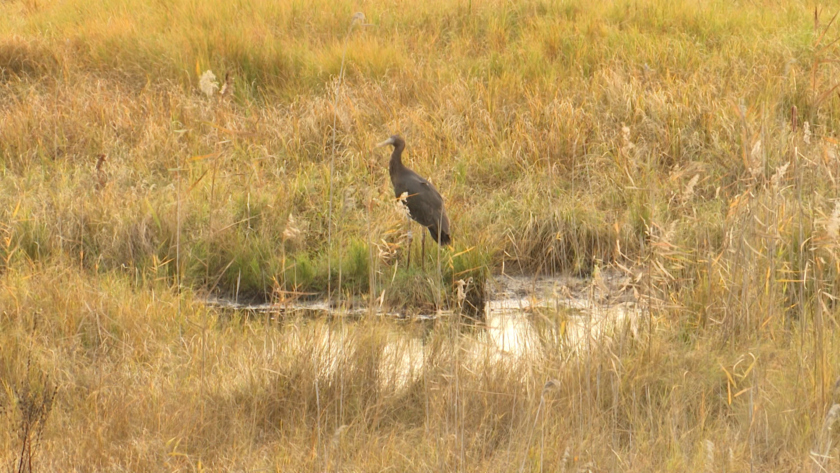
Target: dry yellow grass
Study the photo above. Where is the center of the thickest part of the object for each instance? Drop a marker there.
(690, 144)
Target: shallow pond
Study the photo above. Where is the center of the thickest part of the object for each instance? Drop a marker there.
(525, 319)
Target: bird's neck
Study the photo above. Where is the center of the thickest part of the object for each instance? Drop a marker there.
(396, 159)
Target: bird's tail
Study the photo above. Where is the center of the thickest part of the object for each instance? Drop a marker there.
(444, 239)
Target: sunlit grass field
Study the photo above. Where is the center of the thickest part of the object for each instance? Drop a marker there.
(689, 146)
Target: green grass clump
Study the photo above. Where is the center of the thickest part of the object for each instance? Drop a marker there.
(414, 290)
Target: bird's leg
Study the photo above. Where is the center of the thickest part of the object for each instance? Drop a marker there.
(408, 264)
(423, 253)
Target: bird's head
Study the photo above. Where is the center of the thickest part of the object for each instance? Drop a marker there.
(394, 140)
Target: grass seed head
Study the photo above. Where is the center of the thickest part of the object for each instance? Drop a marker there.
(292, 232)
(688, 192)
(778, 176)
(401, 207)
(832, 224)
(208, 83)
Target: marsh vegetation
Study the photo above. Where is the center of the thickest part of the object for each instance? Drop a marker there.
(154, 154)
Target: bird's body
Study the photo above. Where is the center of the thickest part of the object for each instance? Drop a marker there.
(424, 202)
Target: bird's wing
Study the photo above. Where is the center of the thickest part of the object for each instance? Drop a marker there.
(417, 185)
(427, 213)
(425, 203)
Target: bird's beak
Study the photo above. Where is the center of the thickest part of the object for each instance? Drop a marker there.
(389, 141)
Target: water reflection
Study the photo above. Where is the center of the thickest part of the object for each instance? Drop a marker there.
(525, 318)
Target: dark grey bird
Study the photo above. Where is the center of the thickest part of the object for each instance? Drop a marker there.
(425, 205)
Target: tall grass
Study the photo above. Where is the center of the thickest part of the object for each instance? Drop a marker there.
(689, 146)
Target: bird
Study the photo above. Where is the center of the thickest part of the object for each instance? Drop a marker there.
(424, 202)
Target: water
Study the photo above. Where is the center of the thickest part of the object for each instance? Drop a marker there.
(526, 318)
